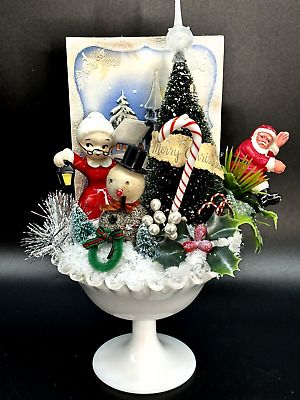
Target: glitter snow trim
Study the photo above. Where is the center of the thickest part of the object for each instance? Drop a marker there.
(134, 272)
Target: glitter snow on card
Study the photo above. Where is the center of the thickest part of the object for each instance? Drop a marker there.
(115, 75)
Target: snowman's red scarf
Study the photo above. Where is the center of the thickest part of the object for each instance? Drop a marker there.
(115, 205)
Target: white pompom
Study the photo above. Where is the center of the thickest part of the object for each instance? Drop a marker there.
(154, 229)
(173, 237)
(170, 229)
(174, 217)
(159, 217)
(147, 220)
(155, 204)
(179, 38)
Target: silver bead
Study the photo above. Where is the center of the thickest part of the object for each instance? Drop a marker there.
(174, 217)
(154, 229)
(170, 229)
(155, 204)
(159, 217)
(173, 237)
(147, 220)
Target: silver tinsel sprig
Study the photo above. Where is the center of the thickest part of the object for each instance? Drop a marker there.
(55, 231)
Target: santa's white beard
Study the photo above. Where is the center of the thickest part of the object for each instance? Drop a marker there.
(263, 145)
(257, 146)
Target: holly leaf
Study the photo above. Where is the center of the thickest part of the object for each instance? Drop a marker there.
(169, 253)
(246, 219)
(223, 261)
(221, 226)
(270, 214)
(182, 231)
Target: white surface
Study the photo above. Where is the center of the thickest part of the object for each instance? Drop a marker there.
(144, 362)
(129, 50)
(140, 290)
(131, 131)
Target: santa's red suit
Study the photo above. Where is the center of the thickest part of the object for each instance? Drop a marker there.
(262, 159)
(95, 194)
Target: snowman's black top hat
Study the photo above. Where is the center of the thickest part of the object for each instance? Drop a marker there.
(133, 159)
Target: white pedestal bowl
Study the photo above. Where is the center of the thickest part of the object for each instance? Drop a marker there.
(143, 362)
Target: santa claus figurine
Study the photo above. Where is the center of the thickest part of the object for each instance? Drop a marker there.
(96, 138)
(262, 147)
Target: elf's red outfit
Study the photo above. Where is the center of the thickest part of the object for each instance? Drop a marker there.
(95, 194)
(261, 159)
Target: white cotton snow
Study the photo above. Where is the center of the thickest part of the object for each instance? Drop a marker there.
(233, 242)
(134, 271)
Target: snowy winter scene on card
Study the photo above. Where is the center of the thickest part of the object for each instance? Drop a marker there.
(127, 77)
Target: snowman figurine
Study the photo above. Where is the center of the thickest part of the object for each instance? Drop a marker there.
(125, 184)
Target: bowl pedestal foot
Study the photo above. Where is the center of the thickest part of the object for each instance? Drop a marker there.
(144, 362)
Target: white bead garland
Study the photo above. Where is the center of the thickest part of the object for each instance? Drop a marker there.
(159, 218)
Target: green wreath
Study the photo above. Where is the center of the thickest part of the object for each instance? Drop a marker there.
(116, 238)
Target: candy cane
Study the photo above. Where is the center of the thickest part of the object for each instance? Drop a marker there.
(184, 121)
(207, 205)
(218, 208)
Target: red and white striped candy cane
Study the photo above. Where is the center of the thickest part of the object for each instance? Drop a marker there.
(184, 121)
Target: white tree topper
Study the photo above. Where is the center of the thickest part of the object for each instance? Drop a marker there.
(179, 38)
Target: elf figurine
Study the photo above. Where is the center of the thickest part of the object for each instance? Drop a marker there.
(95, 136)
(261, 148)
